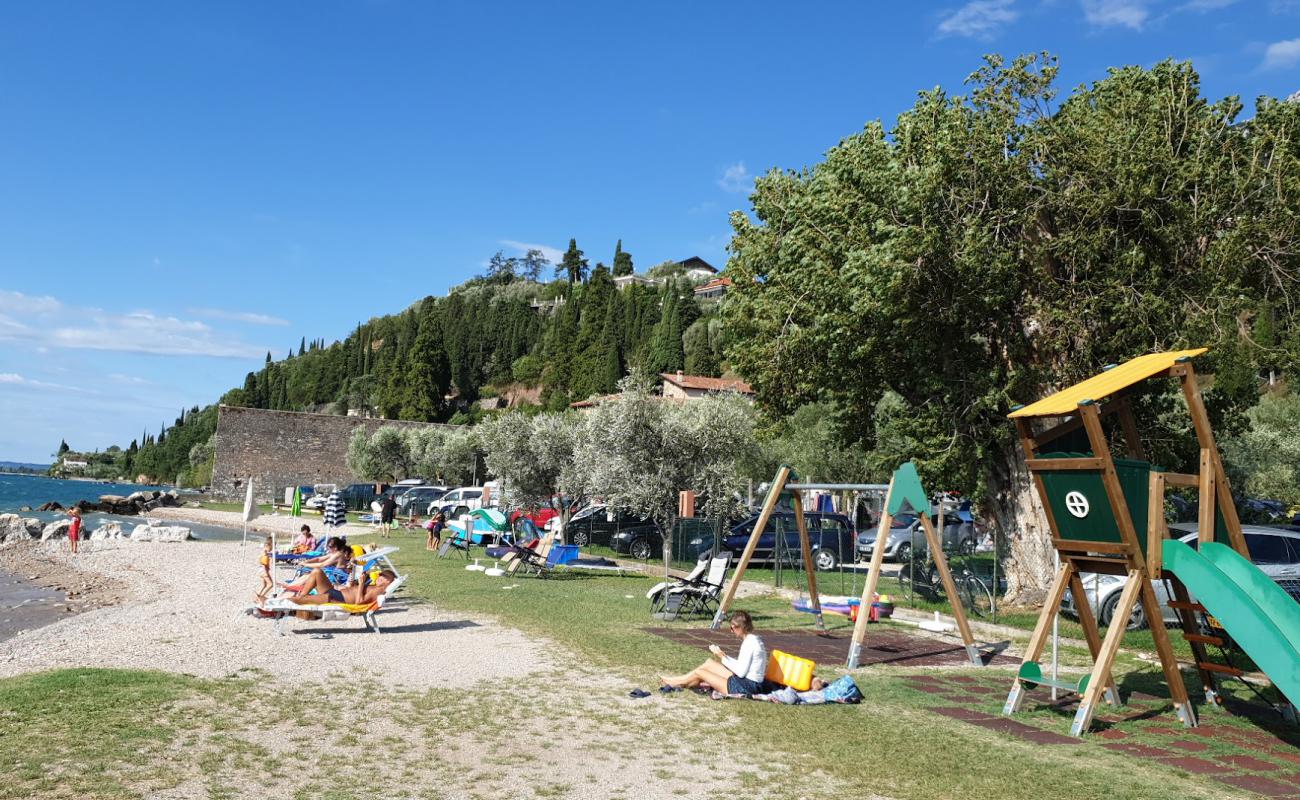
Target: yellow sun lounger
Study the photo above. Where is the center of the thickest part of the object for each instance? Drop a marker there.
(333, 611)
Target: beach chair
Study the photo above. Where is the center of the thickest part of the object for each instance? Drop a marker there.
(538, 560)
(282, 608)
(698, 595)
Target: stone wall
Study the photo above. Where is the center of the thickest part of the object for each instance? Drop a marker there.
(285, 448)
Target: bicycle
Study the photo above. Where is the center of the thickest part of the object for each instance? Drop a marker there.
(921, 576)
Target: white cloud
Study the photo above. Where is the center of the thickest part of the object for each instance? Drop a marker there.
(1203, 6)
(1282, 55)
(552, 254)
(28, 304)
(978, 19)
(736, 178)
(47, 322)
(14, 379)
(238, 316)
(1112, 13)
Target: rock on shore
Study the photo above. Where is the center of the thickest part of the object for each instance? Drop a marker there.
(14, 528)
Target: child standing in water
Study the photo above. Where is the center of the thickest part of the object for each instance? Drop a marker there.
(74, 531)
(265, 563)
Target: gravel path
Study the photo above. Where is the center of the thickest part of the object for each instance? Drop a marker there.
(186, 614)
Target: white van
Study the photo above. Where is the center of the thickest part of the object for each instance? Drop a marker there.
(471, 496)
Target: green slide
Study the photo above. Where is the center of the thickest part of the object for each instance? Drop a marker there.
(1240, 609)
(1271, 598)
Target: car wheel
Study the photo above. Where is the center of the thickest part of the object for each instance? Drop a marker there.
(1136, 621)
(580, 538)
(640, 550)
(825, 560)
(904, 553)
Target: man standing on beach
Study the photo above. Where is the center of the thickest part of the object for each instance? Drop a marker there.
(74, 530)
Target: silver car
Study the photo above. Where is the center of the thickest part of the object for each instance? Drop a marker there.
(906, 537)
(1276, 551)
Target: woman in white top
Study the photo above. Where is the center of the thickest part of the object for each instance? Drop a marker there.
(740, 675)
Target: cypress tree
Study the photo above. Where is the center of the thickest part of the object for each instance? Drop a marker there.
(429, 374)
(622, 261)
(573, 266)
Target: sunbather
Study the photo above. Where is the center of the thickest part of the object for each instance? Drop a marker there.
(816, 695)
(741, 675)
(338, 555)
(353, 593)
(304, 542)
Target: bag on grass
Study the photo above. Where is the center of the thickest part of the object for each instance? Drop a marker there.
(843, 690)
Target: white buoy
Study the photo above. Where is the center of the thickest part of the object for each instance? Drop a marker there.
(475, 566)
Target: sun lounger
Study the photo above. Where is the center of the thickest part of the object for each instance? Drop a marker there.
(283, 607)
(697, 593)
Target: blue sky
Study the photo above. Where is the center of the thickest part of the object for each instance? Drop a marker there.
(189, 185)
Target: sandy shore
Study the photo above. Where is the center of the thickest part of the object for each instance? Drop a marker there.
(184, 612)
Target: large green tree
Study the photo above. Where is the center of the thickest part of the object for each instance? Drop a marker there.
(992, 247)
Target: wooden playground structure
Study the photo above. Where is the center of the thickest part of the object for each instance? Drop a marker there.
(904, 491)
(1100, 507)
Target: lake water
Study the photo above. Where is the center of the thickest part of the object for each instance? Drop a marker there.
(17, 491)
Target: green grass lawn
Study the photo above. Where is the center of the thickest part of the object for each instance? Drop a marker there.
(112, 733)
(601, 618)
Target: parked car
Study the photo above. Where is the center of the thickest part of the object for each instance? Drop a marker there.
(451, 511)
(625, 533)
(907, 538)
(831, 537)
(1276, 551)
(471, 496)
(416, 499)
(358, 496)
(638, 537)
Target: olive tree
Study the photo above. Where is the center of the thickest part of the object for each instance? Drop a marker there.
(384, 455)
(639, 453)
(533, 457)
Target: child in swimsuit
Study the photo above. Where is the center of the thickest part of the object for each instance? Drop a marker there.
(265, 562)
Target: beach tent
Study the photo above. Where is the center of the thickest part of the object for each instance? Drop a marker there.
(335, 512)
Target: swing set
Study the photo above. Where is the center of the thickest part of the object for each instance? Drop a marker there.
(903, 492)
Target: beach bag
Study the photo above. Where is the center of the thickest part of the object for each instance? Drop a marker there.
(790, 670)
(843, 690)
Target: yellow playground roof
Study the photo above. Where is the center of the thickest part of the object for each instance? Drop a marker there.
(1101, 386)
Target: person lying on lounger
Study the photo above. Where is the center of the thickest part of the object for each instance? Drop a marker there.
(740, 675)
(337, 554)
(353, 593)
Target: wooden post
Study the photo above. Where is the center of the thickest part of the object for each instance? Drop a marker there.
(1091, 633)
(1110, 480)
(1205, 511)
(1037, 640)
(1155, 522)
(1128, 423)
(1109, 647)
(873, 579)
(950, 587)
(1205, 436)
(769, 505)
(809, 567)
(1168, 661)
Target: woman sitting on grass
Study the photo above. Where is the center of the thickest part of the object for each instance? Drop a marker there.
(741, 675)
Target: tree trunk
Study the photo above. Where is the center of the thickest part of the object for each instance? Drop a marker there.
(1020, 520)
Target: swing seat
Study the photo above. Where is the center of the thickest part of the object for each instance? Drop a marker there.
(1031, 675)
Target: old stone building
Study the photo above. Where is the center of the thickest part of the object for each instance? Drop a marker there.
(285, 448)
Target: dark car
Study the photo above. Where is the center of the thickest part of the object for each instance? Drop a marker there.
(598, 525)
(358, 496)
(831, 537)
(636, 536)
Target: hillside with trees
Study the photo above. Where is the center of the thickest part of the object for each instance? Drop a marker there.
(573, 337)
